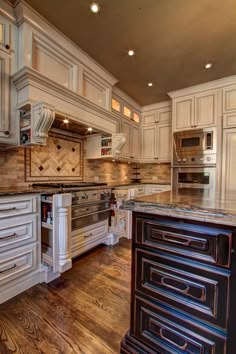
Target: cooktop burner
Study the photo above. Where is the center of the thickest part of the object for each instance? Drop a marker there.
(68, 185)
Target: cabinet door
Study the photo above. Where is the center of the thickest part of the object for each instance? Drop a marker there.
(149, 143)
(126, 128)
(229, 98)
(229, 162)
(4, 95)
(5, 37)
(149, 118)
(135, 141)
(206, 109)
(164, 115)
(183, 113)
(164, 142)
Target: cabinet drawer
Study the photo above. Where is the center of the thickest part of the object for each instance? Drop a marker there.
(87, 238)
(204, 243)
(17, 262)
(192, 287)
(17, 206)
(15, 232)
(167, 332)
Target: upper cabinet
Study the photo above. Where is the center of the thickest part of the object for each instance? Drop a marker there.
(198, 110)
(131, 149)
(229, 99)
(156, 132)
(8, 35)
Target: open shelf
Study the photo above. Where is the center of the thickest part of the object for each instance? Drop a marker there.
(47, 225)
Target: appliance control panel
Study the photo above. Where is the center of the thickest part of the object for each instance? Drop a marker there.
(206, 159)
(91, 195)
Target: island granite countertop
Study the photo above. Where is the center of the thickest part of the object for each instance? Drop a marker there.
(190, 204)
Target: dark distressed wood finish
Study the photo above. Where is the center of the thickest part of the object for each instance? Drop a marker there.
(85, 311)
(183, 287)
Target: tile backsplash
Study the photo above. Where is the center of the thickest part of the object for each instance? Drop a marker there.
(14, 165)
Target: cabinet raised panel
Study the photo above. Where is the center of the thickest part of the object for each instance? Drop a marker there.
(4, 95)
(229, 98)
(164, 115)
(126, 129)
(164, 142)
(5, 37)
(183, 110)
(149, 142)
(205, 109)
(135, 142)
(149, 118)
(229, 162)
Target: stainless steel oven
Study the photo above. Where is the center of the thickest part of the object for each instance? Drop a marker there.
(194, 177)
(89, 207)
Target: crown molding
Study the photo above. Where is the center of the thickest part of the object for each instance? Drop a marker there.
(7, 10)
(155, 106)
(226, 81)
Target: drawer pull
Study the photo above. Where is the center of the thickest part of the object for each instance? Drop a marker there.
(175, 284)
(166, 334)
(8, 236)
(88, 235)
(177, 240)
(5, 270)
(8, 209)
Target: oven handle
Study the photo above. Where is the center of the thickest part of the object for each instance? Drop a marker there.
(95, 212)
(84, 203)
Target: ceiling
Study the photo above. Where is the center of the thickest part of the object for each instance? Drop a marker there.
(172, 39)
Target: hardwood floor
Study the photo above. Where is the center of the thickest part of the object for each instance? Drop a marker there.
(84, 311)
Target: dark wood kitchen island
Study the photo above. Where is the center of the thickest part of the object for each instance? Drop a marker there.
(183, 274)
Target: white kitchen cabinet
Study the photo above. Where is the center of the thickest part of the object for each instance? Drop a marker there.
(99, 146)
(229, 162)
(157, 113)
(20, 246)
(131, 149)
(8, 58)
(4, 97)
(88, 237)
(229, 99)
(156, 143)
(195, 111)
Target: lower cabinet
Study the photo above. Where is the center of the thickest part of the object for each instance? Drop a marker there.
(88, 237)
(183, 287)
(20, 248)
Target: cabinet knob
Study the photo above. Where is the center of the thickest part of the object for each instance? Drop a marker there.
(6, 132)
(155, 158)
(7, 46)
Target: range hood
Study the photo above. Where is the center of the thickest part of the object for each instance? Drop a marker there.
(74, 127)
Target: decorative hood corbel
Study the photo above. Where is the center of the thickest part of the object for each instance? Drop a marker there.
(41, 116)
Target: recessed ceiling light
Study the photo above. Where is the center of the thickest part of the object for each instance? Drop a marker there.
(90, 129)
(150, 84)
(94, 7)
(131, 52)
(66, 121)
(208, 65)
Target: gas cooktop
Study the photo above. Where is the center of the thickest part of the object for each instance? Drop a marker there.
(68, 185)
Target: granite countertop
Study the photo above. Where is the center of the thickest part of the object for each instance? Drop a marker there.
(41, 190)
(190, 204)
(139, 184)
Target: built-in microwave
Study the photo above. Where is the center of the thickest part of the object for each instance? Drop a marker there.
(194, 148)
(199, 140)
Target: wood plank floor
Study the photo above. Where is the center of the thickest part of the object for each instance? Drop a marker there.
(85, 311)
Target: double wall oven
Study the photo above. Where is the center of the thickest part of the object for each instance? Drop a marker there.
(194, 159)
